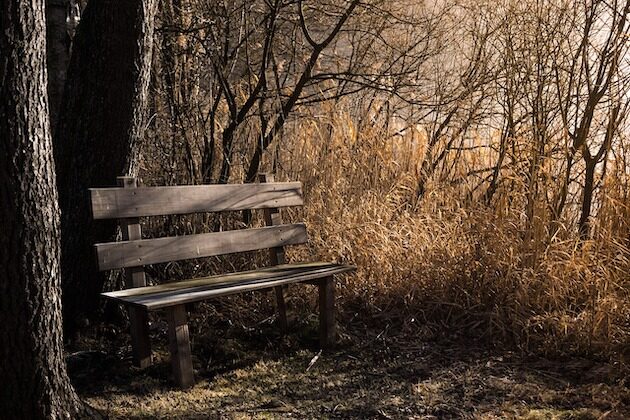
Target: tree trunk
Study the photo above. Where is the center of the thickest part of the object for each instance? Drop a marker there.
(584, 224)
(32, 366)
(57, 54)
(101, 126)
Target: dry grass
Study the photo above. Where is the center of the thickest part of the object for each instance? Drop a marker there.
(448, 263)
(445, 264)
(383, 377)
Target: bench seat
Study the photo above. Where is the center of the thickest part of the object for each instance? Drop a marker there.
(187, 291)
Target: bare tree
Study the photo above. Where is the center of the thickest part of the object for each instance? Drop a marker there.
(592, 65)
(264, 61)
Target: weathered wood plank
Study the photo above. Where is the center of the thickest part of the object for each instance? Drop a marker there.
(135, 277)
(226, 279)
(179, 346)
(151, 251)
(113, 203)
(169, 294)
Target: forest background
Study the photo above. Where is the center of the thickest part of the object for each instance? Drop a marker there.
(469, 157)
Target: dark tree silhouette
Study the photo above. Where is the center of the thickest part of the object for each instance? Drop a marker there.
(101, 125)
(32, 365)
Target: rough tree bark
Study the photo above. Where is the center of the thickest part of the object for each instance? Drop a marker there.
(32, 366)
(102, 122)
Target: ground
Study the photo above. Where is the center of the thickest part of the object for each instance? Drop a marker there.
(254, 372)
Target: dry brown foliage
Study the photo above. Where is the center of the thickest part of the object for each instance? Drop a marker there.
(445, 264)
(448, 263)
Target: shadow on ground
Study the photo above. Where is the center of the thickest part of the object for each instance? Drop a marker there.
(256, 373)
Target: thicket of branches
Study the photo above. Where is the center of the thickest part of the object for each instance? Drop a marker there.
(539, 91)
(515, 114)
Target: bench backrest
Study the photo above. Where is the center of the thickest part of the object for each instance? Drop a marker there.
(129, 202)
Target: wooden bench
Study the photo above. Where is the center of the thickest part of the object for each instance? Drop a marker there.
(129, 202)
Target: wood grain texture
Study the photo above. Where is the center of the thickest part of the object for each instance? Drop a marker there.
(113, 203)
(181, 292)
(151, 251)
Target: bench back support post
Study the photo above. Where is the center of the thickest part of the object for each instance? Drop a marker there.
(136, 277)
(276, 255)
(272, 218)
(131, 230)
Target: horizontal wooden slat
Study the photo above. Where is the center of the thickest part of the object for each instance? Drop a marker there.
(113, 203)
(177, 293)
(151, 251)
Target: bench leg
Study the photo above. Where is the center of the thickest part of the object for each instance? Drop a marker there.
(179, 345)
(282, 308)
(140, 341)
(327, 313)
